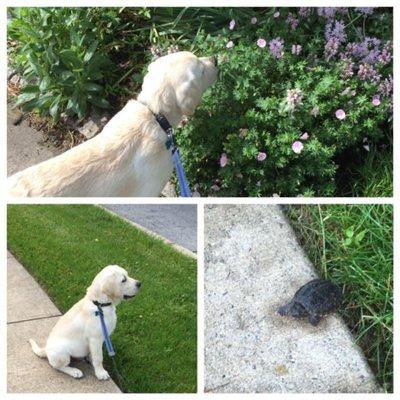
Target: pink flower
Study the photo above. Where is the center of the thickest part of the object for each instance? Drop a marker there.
(277, 14)
(296, 49)
(229, 45)
(253, 20)
(223, 160)
(261, 156)
(304, 136)
(232, 24)
(340, 114)
(261, 43)
(297, 147)
(376, 101)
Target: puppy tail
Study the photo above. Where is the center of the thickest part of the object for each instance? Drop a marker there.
(39, 351)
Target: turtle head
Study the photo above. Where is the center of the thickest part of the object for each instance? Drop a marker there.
(293, 309)
(286, 309)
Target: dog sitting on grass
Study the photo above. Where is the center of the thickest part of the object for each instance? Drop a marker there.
(78, 333)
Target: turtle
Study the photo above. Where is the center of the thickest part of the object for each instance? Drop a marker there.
(313, 300)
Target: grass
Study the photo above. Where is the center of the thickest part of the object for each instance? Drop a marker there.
(353, 246)
(371, 176)
(65, 246)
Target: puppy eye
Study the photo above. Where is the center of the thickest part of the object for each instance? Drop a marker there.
(124, 280)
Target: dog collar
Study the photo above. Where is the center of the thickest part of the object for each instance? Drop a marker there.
(98, 304)
(167, 128)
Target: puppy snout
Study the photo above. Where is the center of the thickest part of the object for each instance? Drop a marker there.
(138, 284)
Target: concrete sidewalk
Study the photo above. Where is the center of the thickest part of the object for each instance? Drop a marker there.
(254, 264)
(31, 314)
(175, 222)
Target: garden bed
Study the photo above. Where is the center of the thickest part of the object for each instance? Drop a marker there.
(303, 106)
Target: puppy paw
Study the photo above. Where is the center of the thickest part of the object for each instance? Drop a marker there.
(76, 373)
(102, 375)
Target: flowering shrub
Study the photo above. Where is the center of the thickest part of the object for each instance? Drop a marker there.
(298, 89)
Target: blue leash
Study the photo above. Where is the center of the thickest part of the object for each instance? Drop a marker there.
(180, 173)
(107, 340)
(170, 143)
(106, 336)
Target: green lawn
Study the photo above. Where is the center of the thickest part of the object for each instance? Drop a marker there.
(353, 246)
(65, 246)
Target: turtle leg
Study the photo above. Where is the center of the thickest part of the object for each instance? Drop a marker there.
(314, 319)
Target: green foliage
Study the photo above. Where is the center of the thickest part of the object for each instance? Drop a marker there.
(353, 246)
(246, 112)
(65, 246)
(63, 54)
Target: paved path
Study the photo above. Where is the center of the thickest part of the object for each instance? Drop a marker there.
(25, 146)
(253, 264)
(175, 222)
(31, 314)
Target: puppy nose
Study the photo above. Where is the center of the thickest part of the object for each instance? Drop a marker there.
(138, 284)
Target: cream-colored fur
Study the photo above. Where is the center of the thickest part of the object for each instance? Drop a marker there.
(78, 333)
(129, 157)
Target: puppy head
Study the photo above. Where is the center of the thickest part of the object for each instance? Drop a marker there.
(175, 84)
(113, 284)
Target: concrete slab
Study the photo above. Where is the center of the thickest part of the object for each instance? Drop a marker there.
(25, 298)
(253, 264)
(25, 146)
(27, 373)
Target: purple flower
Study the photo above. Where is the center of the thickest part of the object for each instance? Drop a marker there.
(223, 160)
(297, 147)
(367, 72)
(294, 98)
(340, 114)
(315, 111)
(232, 25)
(261, 156)
(304, 136)
(276, 47)
(215, 188)
(376, 101)
(253, 20)
(292, 22)
(229, 45)
(331, 48)
(296, 49)
(261, 43)
(365, 10)
(305, 12)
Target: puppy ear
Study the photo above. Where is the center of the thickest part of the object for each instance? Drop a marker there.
(109, 288)
(188, 97)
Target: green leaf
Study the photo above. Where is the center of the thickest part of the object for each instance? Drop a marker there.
(54, 108)
(98, 101)
(69, 58)
(30, 89)
(350, 232)
(90, 51)
(93, 87)
(45, 83)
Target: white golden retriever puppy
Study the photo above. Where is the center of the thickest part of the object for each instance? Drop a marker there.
(129, 157)
(78, 333)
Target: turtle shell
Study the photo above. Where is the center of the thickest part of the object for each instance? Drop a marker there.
(319, 297)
